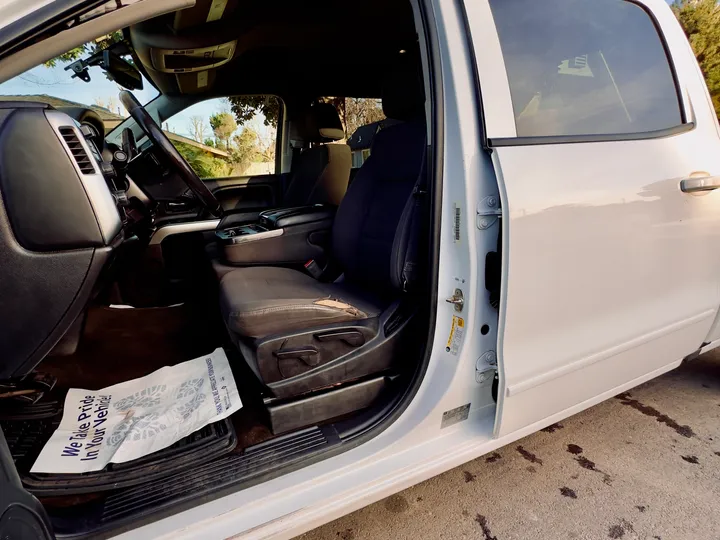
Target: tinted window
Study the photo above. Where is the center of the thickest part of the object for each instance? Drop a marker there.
(217, 144)
(585, 67)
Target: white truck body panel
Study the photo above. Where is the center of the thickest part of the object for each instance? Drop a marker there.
(612, 271)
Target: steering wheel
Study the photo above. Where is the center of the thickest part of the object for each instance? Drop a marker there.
(160, 140)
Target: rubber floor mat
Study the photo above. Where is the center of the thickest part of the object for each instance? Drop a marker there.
(27, 434)
(122, 507)
(12, 410)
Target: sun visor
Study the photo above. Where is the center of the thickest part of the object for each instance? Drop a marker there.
(204, 11)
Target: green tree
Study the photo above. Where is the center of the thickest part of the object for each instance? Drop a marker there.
(223, 125)
(246, 107)
(245, 150)
(354, 112)
(701, 21)
(204, 165)
(267, 146)
(88, 48)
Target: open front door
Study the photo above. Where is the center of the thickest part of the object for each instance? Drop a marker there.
(21, 514)
(611, 258)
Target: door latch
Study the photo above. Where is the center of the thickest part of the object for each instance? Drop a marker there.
(457, 299)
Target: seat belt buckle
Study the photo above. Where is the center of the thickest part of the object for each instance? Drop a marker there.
(313, 268)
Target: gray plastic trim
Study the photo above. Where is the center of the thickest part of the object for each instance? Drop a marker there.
(134, 191)
(577, 139)
(96, 188)
(245, 238)
(180, 228)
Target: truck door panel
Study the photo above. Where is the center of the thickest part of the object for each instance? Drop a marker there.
(611, 272)
(247, 192)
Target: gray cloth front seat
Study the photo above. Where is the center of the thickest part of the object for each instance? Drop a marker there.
(298, 334)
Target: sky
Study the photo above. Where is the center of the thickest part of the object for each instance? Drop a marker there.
(59, 83)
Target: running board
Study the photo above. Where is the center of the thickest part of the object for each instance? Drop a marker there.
(130, 505)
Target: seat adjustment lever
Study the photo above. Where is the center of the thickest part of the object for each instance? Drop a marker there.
(297, 352)
(351, 337)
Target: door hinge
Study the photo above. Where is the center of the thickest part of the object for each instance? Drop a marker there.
(487, 213)
(485, 367)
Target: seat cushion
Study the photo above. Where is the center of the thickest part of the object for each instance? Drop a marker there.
(261, 301)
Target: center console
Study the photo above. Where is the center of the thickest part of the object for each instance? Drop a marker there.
(282, 236)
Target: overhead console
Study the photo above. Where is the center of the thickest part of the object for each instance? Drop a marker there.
(188, 57)
(191, 60)
(284, 236)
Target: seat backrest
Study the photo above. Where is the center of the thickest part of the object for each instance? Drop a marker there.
(372, 232)
(321, 173)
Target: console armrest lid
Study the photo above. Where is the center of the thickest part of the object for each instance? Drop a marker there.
(287, 217)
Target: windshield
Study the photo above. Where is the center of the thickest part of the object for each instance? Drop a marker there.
(50, 83)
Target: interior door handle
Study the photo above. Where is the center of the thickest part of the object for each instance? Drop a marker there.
(699, 183)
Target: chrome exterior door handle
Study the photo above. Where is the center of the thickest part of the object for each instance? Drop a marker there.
(699, 183)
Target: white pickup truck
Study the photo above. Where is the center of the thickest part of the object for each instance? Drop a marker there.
(472, 220)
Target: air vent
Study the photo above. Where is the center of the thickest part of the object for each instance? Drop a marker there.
(77, 149)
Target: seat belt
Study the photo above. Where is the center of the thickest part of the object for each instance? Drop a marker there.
(296, 151)
(410, 273)
(285, 178)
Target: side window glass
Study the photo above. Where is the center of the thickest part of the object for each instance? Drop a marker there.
(361, 118)
(585, 67)
(218, 139)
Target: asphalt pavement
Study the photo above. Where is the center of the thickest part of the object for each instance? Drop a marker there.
(643, 465)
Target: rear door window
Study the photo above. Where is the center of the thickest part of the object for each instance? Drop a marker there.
(585, 67)
(361, 119)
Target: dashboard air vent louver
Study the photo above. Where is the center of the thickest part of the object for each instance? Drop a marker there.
(78, 152)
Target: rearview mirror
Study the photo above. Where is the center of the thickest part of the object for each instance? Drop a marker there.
(120, 71)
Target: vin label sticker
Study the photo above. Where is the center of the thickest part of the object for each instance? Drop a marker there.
(457, 331)
(453, 416)
(456, 223)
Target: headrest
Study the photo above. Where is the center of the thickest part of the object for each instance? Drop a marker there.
(322, 123)
(403, 96)
(364, 135)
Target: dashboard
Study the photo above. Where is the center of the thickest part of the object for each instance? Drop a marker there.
(66, 206)
(141, 166)
(59, 227)
(146, 189)
(87, 161)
